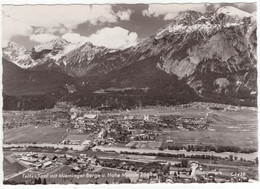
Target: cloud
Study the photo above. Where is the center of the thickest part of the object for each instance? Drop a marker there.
(43, 38)
(12, 27)
(170, 11)
(51, 30)
(116, 37)
(75, 38)
(124, 15)
(113, 38)
(23, 19)
(240, 5)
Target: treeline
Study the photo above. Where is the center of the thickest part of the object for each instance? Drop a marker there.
(36, 181)
(40, 181)
(174, 155)
(114, 101)
(12, 182)
(211, 148)
(193, 156)
(32, 102)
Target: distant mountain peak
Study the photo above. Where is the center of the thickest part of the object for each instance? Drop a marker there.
(55, 43)
(233, 11)
(59, 41)
(190, 21)
(189, 15)
(18, 54)
(14, 45)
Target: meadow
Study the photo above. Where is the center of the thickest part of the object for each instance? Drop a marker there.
(46, 134)
(10, 166)
(243, 139)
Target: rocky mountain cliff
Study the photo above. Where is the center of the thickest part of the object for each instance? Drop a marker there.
(211, 54)
(18, 55)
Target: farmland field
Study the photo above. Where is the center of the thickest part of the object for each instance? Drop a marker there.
(145, 144)
(80, 137)
(235, 117)
(10, 115)
(11, 167)
(239, 139)
(46, 134)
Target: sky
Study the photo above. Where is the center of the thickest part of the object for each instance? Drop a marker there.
(112, 26)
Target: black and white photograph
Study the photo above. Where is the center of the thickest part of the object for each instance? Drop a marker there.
(121, 93)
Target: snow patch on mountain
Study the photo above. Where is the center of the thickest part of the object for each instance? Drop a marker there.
(66, 50)
(207, 28)
(19, 55)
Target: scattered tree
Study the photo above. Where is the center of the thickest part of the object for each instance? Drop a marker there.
(39, 180)
(184, 162)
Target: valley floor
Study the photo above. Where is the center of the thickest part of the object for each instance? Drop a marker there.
(222, 140)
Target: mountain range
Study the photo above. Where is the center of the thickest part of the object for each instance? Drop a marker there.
(197, 57)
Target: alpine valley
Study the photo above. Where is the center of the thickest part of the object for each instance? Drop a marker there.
(197, 57)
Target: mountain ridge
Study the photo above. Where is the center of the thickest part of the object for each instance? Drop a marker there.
(213, 54)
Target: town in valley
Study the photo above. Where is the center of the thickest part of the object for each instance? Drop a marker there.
(196, 142)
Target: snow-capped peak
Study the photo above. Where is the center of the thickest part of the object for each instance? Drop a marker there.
(69, 47)
(18, 54)
(60, 41)
(15, 46)
(233, 11)
(52, 44)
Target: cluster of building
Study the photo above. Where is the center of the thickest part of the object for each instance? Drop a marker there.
(37, 160)
(147, 136)
(45, 161)
(146, 172)
(194, 172)
(85, 122)
(117, 128)
(191, 123)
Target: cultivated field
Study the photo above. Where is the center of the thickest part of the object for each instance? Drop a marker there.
(145, 144)
(80, 137)
(234, 117)
(34, 135)
(10, 166)
(239, 139)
